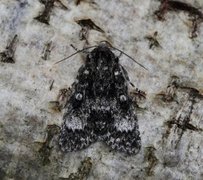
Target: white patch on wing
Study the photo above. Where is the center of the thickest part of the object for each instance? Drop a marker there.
(125, 123)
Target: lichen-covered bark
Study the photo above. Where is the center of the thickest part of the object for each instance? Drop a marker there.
(164, 36)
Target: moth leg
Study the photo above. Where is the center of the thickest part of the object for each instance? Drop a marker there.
(125, 74)
(61, 100)
(138, 96)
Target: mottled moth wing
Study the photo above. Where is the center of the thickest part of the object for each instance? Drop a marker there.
(123, 133)
(77, 131)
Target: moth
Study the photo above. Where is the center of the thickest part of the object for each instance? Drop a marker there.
(100, 108)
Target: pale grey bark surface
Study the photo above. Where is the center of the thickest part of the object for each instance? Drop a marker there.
(171, 118)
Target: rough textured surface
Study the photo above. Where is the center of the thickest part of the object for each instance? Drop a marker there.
(170, 123)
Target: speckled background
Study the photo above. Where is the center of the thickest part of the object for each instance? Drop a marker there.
(170, 118)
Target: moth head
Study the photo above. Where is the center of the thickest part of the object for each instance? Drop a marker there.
(102, 55)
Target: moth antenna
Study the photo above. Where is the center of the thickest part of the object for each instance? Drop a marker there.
(78, 51)
(130, 57)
